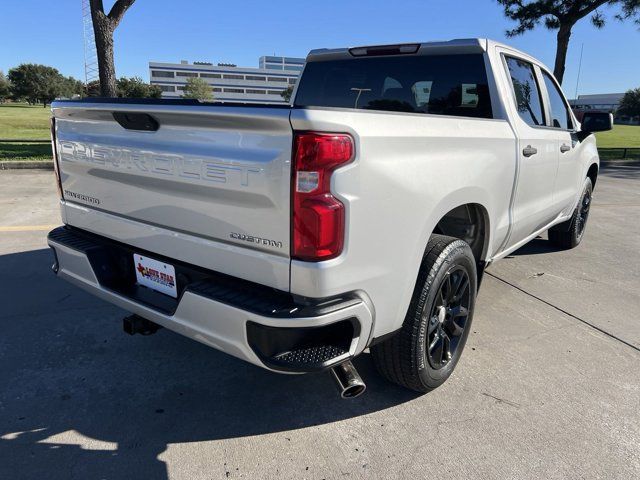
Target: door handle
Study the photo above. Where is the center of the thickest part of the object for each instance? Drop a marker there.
(529, 151)
(564, 148)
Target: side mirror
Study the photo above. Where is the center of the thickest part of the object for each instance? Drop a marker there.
(596, 122)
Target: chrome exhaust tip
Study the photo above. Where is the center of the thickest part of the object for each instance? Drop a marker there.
(349, 383)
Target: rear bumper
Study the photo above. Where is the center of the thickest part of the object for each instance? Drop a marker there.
(267, 327)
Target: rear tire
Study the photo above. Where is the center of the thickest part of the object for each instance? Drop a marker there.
(425, 351)
(569, 234)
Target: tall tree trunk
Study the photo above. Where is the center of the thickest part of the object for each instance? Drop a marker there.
(103, 30)
(564, 34)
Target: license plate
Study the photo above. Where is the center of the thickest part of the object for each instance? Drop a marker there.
(156, 275)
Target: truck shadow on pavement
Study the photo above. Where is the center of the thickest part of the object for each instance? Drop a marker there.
(80, 398)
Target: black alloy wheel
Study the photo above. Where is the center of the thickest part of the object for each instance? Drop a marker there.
(448, 317)
(424, 352)
(583, 213)
(569, 234)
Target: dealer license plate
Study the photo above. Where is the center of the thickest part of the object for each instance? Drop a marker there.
(156, 275)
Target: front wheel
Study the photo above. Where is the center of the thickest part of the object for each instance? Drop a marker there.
(569, 234)
(424, 352)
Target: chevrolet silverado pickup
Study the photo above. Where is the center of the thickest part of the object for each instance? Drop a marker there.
(359, 217)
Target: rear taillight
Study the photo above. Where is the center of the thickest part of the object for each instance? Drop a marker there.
(318, 220)
(54, 150)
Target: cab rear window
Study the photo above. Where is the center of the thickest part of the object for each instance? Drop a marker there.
(436, 84)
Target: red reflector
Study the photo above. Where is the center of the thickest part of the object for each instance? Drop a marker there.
(318, 217)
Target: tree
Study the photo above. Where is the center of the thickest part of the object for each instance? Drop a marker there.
(71, 87)
(103, 27)
(630, 103)
(198, 89)
(5, 87)
(562, 16)
(36, 83)
(286, 94)
(92, 89)
(135, 87)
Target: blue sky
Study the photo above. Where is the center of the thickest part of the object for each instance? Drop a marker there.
(50, 32)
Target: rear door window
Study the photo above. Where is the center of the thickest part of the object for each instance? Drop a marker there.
(560, 117)
(435, 84)
(526, 91)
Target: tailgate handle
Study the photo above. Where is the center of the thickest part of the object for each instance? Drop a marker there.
(136, 121)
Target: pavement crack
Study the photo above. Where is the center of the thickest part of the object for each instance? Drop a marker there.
(501, 400)
(569, 314)
(60, 300)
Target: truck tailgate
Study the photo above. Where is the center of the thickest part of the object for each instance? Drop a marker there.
(217, 175)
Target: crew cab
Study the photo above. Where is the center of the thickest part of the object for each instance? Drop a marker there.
(361, 216)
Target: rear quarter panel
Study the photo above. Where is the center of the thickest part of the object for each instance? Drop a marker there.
(409, 171)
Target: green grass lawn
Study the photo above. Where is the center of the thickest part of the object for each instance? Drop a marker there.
(25, 151)
(24, 122)
(621, 136)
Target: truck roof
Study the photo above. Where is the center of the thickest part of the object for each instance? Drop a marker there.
(457, 45)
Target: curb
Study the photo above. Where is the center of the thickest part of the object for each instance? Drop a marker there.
(36, 165)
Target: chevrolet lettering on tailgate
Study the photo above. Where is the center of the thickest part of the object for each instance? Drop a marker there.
(187, 167)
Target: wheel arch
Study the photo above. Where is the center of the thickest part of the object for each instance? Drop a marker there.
(464, 214)
(480, 201)
(592, 173)
(468, 222)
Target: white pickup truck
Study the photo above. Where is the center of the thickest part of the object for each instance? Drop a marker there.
(359, 217)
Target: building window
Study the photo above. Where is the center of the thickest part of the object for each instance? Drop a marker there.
(293, 67)
(233, 90)
(160, 73)
(292, 81)
(277, 79)
(259, 92)
(186, 74)
(210, 75)
(233, 77)
(274, 67)
(257, 79)
(274, 92)
(217, 89)
(180, 87)
(167, 88)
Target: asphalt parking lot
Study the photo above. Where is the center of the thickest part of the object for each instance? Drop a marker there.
(548, 386)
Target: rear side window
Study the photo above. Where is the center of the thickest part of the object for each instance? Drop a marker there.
(436, 84)
(526, 91)
(560, 117)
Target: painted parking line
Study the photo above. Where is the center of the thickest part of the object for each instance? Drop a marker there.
(27, 228)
